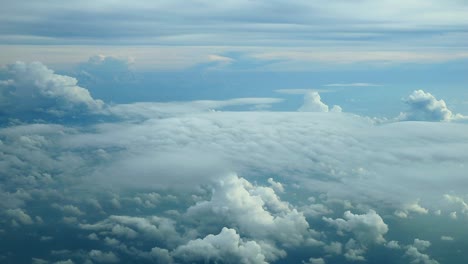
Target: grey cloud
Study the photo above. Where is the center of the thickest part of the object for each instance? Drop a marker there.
(103, 257)
(19, 216)
(205, 22)
(105, 68)
(156, 228)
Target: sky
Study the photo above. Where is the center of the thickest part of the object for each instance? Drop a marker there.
(246, 131)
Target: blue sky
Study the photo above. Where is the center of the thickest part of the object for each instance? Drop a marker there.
(248, 131)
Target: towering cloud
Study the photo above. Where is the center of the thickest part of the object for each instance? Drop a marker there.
(313, 103)
(34, 88)
(424, 106)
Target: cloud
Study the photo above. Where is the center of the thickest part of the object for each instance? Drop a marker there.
(19, 216)
(32, 87)
(105, 68)
(315, 261)
(155, 110)
(156, 228)
(226, 247)
(354, 251)
(352, 85)
(103, 257)
(223, 60)
(300, 91)
(414, 252)
(269, 217)
(447, 238)
(425, 107)
(155, 184)
(413, 207)
(313, 103)
(368, 228)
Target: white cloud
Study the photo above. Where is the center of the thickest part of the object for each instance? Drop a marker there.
(425, 107)
(367, 228)
(408, 208)
(457, 201)
(220, 59)
(226, 247)
(352, 85)
(414, 252)
(335, 248)
(157, 228)
(354, 251)
(313, 103)
(269, 218)
(300, 91)
(158, 110)
(447, 238)
(315, 261)
(393, 244)
(33, 87)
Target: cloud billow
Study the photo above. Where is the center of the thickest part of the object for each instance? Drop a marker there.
(424, 106)
(34, 88)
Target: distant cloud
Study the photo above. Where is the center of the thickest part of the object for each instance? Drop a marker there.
(424, 106)
(32, 87)
(352, 85)
(300, 91)
(221, 59)
(313, 103)
(105, 68)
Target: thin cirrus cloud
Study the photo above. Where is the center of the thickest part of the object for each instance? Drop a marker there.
(353, 85)
(333, 31)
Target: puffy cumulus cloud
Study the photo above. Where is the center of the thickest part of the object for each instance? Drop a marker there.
(354, 251)
(68, 209)
(19, 216)
(313, 103)
(32, 87)
(226, 247)
(367, 228)
(315, 261)
(424, 106)
(408, 208)
(269, 218)
(447, 238)
(130, 227)
(413, 252)
(393, 244)
(457, 201)
(103, 257)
